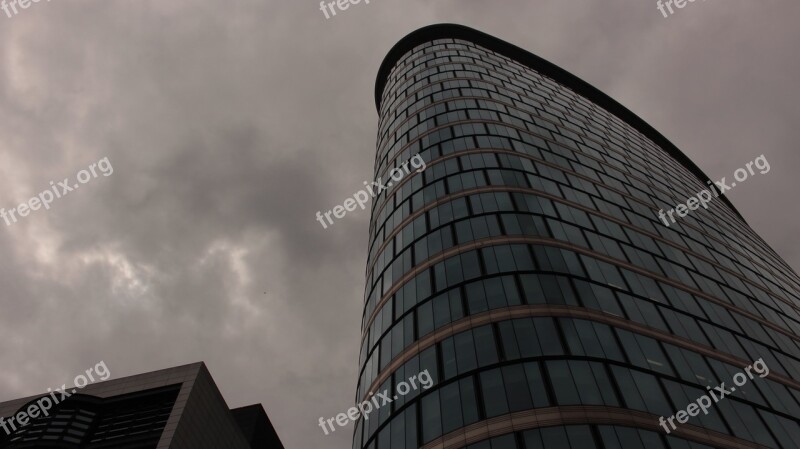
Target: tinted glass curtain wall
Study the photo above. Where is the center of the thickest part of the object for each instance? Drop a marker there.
(527, 270)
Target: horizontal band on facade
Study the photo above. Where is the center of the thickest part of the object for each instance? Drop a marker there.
(559, 311)
(491, 241)
(576, 415)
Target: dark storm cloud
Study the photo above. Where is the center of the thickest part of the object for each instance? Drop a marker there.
(230, 124)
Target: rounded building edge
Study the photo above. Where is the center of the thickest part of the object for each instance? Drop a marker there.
(546, 68)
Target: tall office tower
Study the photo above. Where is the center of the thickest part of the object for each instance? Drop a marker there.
(526, 269)
(175, 408)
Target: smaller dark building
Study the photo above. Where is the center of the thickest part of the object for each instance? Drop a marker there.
(256, 427)
(175, 408)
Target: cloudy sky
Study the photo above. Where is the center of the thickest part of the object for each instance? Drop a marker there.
(229, 124)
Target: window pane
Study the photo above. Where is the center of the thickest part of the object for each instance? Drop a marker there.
(504, 442)
(546, 331)
(533, 439)
(580, 437)
(485, 345)
(536, 385)
(465, 352)
(411, 426)
(508, 339)
(585, 382)
(424, 319)
(451, 403)
(398, 431)
(516, 384)
(553, 437)
(526, 337)
(469, 401)
(495, 295)
(449, 367)
(563, 384)
(431, 417)
(427, 362)
(441, 311)
(494, 395)
(476, 298)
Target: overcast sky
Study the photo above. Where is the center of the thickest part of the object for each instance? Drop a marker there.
(230, 124)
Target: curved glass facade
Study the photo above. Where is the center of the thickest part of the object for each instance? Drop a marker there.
(527, 271)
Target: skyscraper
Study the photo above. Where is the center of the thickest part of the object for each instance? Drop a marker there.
(175, 408)
(527, 270)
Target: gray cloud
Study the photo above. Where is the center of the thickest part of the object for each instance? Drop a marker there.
(230, 124)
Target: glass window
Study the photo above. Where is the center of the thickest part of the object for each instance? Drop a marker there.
(453, 268)
(563, 384)
(504, 442)
(585, 382)
(470, 265)
(469, 401)
(546, 331)
(533, 439)
(532, 289)
(609, 436)
(574, 341)
(516, 388)
(427, 361)
(456, 309)
(494, 395)
(431, 417)
(580, 437)
(652, 440)
(397, 339)
(511, 291)
(485, 345)
(424, 319)
(630, 393)
(411, 428)
(629, 438)
(398, 431)
(553, 437)
(526, 337)
(509, 340)
(552, 289)
(505, 259)
(787, 432)
(495, 295)
(597, 297)
(650, 388)
(465, 352)
(476, 298)
(485, 444)
(441, 310)
(451, 403)
(384, 437)
(604, 384)
(408, 330)
(449, 367)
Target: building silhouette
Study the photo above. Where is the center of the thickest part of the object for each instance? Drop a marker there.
(175, 408)
(527, 270)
